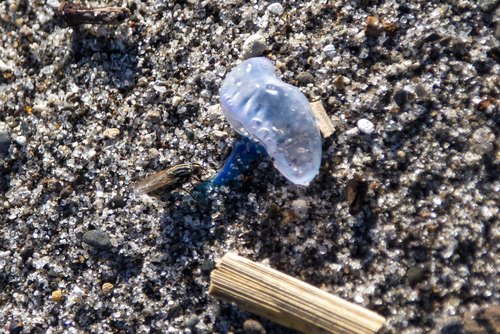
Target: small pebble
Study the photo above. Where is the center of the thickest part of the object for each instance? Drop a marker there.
(78, 292)
(65, 193)
(304, 78)
(416, 274)
(189, 133)
(365, 126)
(142, 82)
(373, 27)
(54, 4)
(400, 98)
(451, 325)
(356, 190)
(153, 117)
(27, 252)
(220, 134)
(432, 37)
(352, 132)
(275, 8)
(207, 266)
(3, 66)
(4, 254)
(111, 133)
(176, 100)
(483, 135)
(192, 322)
(339, 82)
(329, 50)
(254, 46)
(107, 288)
(421, 90)
(253, 327)
(20, 140)
(299, 207)
(117, 202)
(16, 327)
(57, 296)
(97, 239)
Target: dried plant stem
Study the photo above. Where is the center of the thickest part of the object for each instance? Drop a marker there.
(288, 301)
(74, 15)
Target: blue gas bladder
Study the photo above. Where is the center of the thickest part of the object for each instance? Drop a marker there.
(277, 115)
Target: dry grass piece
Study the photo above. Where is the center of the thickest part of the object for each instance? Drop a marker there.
(287, 300)
(74, 15)
(324, 123)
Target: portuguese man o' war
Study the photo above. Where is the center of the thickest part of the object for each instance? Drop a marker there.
(277, 115)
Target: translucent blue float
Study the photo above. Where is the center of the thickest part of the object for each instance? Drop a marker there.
(277, 115)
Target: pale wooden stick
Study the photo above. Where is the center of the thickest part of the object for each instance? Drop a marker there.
(288, 301)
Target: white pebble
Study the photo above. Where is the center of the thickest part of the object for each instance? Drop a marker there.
(21, 140)
(111, 133)
(3, 66)
(160, 89)
(437, 200)
(329, 50)
(4, 254)
(365, 126)
(299, 207)
(176, 100)
(275, 8)
(352, 132)
(254, 46)
(483, 135)
(78, 292)
(220, 134)
(54, 4)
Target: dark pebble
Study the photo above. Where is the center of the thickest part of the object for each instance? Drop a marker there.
(487, 5)
(5, 141)
(117, 202)
(400, 98)
(97, 239)
(304, 78)
(207, 266)
(78, 180)
(189, 133)
(220, 231)
(425, 289)
(192, 322)
(53, 273)
(65, 193)
(417, 274)
(27, 252)
(453, 325)
(253, 327)
(432, 38)
(192, 107)
(273, 212)
(404, 9)
(356, 190)
(16, 327)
